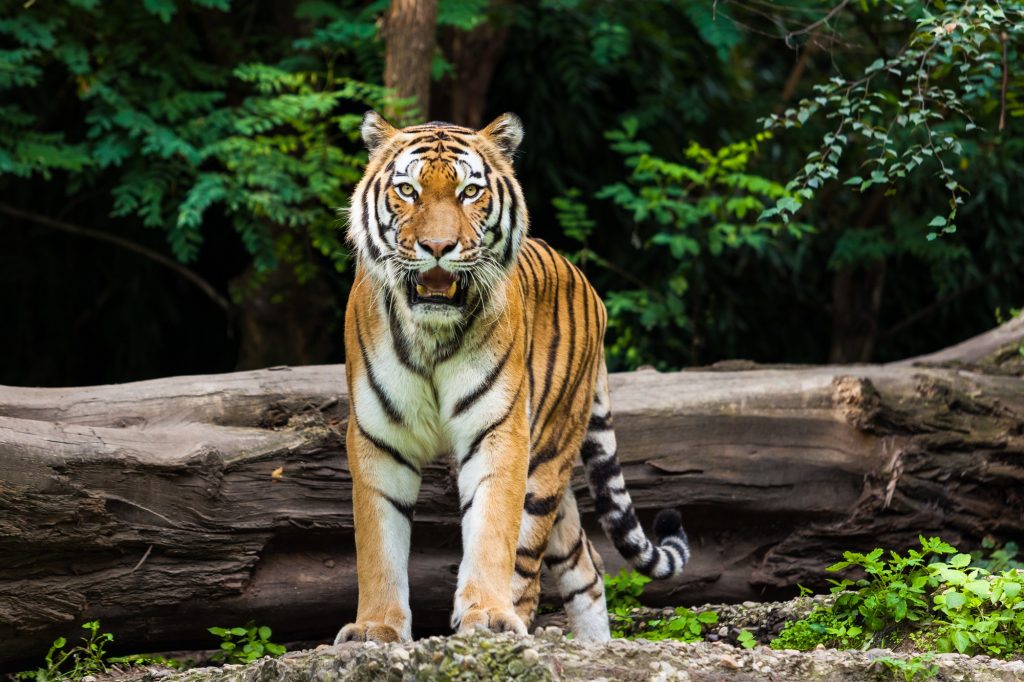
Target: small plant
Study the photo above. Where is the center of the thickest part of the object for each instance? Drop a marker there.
(623, 590)
(999, 557)
(746, 639)
(944, 606)
(911, 669)
(84, 659)
(146, 660)
(684, 626)
(245, 644)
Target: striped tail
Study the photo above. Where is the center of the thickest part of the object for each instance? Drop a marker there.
(614, 506)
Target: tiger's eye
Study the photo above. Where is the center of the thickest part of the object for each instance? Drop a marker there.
(471, 191)
(406, 190)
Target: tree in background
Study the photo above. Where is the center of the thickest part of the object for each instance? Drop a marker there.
(217, 142)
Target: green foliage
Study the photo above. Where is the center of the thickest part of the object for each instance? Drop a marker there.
(174, 136)
(86, 658)
(688, 214)
(993, 556)
(911, 669)
(908, 110)
(622, 591)
(245, 644)
(684, 625)
(746, 639)
(945, 606)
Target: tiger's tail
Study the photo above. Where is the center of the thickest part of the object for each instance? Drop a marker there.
(614, 507)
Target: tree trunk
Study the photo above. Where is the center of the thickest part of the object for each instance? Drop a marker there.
(474, 55)
(408, 32)
(164, 507)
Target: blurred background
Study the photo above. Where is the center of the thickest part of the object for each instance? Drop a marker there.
(788, 181)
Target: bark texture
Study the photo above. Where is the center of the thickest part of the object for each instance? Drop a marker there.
(165, 507)
(408, 31)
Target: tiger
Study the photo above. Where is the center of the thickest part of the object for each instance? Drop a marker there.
(466, 338)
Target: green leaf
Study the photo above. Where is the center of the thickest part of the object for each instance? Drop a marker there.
(938, 221)
(164, 9)
(954, 600)
(959, 560)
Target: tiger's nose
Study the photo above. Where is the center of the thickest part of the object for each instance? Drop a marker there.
(438, 247)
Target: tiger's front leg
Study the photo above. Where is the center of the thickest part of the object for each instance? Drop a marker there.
(385, 486)
(492, 487)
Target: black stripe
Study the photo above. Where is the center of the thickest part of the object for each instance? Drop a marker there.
(401, 344)
(385, 402)
(598, 423)
(573, 554)
(590, 449)
(475, 445)
(465, 508)
(541, 506)
(375, 253)
(556, 339)
(381, 445)
(512, 222)
(599, 472)
(544, 455)
(495, 229)
(404, 509)
(560, 399)
(577, 592)
(647, 566)
(529, 575)
(671, 556)
(381, 226)
(486, 384)
(533, 553)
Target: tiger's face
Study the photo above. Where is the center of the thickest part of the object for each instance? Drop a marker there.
(438, 217)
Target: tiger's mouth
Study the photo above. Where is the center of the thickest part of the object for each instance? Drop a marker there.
(437, 286)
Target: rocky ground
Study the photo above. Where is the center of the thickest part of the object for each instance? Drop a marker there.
(550, 655)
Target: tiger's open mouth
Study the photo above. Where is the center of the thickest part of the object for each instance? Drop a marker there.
(437, 286)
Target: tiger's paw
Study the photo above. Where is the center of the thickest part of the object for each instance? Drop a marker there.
(493, 619)
(368, 631)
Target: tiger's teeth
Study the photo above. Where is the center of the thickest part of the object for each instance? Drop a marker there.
(451, 290)
(421, 290)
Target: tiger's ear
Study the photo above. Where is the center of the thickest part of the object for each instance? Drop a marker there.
(375, 131)
(506, 132)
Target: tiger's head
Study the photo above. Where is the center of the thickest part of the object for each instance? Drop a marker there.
(438, 218)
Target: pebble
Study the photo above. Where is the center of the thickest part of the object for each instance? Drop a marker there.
(730, 663)
(530, 656)
(401, 654)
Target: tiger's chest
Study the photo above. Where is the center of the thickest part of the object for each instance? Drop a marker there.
(427, 411)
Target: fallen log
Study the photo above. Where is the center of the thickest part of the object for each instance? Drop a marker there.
(164, 507)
